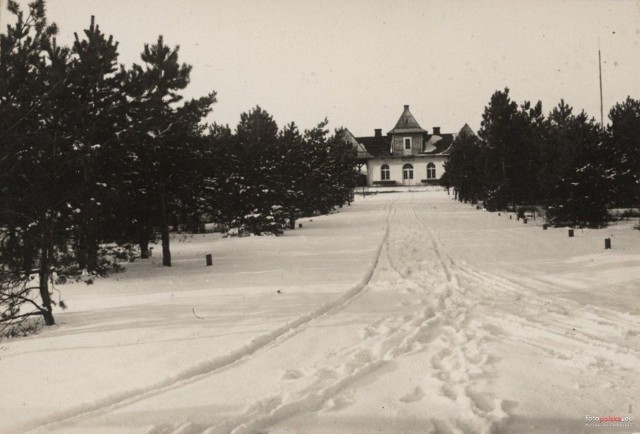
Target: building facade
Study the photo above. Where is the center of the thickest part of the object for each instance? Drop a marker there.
(406, 155)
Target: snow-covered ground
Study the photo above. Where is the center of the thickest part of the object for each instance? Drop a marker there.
(404, 313)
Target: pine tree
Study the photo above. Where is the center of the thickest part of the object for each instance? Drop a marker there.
(293, 173)
(190, 165)
(98, 115)
(344, 175)
(259, 155)
(37, 162)
(624, 145)
(159, 140)
(221, 168)
(509, 145)
(577, 189)
(498, 136)
(527, 158)
(464, 169)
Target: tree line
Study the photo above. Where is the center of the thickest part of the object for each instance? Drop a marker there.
(97, 159)
(565, 163)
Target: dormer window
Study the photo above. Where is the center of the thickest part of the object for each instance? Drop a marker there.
(407, 143)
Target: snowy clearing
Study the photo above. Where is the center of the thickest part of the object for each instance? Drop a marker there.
(406, 312)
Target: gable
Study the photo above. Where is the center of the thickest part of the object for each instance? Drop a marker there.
(361, 151)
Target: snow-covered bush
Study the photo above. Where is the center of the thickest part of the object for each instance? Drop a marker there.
(271, 222)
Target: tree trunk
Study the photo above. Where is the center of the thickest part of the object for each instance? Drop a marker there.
(81, 247)
(44, 275)
(176, 221)
(292, 220)
(164, 230)
(197, 227)
(144, 247)
(28, 258)
(87, 249)
(92, 251)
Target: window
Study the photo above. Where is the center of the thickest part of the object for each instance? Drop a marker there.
(384, 173)
(407, 171)
(407, 143)
(431, 171)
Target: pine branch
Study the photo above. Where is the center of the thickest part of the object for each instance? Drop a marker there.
(24, 315)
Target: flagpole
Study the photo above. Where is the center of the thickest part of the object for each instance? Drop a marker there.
(600, 71)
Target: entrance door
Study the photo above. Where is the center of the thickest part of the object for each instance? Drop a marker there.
(407, 174)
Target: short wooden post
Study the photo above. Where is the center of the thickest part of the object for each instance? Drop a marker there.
(545, 226)
(510, 217)
(607, 243)
(524, 220)
(570, 233)
(209, 260)
(299, 225)
(498, 214)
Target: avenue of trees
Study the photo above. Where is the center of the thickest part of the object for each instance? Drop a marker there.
(564, 162)
(97, 160)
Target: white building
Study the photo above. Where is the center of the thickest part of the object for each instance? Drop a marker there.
(407, 155)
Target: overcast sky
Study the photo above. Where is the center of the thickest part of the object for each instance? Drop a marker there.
(359, 62)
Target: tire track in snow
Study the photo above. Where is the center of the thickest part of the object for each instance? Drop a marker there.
(437, 249)
(592, 339)
(389, 339)
(462, 357)
(210, 367)
(365, 358)
(460, 361)
(566, 330)
(563, 311)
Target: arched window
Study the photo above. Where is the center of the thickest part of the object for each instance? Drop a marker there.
(407, 171)
(431, 171)
(385, 175)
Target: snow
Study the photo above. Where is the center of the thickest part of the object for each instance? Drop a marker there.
(405, 312)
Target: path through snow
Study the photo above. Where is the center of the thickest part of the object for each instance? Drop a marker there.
(431, 336)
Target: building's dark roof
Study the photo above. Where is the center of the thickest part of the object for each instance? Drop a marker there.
(379, 146)
(438, 144)
(407, 124)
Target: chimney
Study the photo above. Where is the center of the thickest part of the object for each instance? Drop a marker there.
(406, 107)
(436, 131)
(378, 132)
